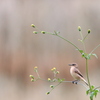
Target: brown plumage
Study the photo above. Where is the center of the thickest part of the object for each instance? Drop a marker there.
(76, 74)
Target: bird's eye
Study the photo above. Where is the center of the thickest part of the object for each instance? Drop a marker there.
(73, 64)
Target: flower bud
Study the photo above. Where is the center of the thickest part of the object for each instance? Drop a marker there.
(79, 28)
(35, 68)
(35, 32)
(43, 32)
(53, 69)
(49, 79)
(48, 93)
(32, 25)
(58, 72)
(89, 31)
(31, 76)
(32, 80)
(51, 86)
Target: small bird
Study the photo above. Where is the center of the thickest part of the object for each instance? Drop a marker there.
(76, 74)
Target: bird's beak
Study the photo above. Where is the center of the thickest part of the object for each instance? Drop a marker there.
(70, 64)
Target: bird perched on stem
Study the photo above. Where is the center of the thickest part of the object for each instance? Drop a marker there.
(76, 74)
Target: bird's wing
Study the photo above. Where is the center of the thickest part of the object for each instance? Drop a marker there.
(78, 72)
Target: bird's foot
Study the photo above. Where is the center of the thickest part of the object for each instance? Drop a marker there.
(75, 82)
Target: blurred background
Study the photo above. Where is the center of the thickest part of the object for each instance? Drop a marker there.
(21, 50)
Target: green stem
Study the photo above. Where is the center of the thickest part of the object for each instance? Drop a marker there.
(91, 98)
(83, 41)
(81, 35)
(38, 74)
(55, 86)
(97, 87)
(94, 49)
(68, 41)
(85, 37)
(56, 34)
(87, 74)
(84, 46)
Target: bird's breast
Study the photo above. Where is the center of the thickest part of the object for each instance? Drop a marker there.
(74, 75)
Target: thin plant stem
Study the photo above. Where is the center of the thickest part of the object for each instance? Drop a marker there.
(81, 35)
(38, 74)
(68, 41)
(55, 86)
(85, 37)
(56, 34)
(68, 81)
(84, 46)
(94, 49)
(82, 85)
(87, 74)
(97, 87)
(83, 41)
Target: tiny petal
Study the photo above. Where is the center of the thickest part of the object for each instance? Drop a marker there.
(31, 76)
(35, 67)
(53, 69)
(49, 79)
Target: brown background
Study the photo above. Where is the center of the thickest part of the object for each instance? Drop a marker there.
(21, 50)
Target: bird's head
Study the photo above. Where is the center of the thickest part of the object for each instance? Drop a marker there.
(73, 64)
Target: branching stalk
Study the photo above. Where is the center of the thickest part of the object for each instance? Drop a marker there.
(87, 74)
(83, 41)
(92, 91)
(95, 49)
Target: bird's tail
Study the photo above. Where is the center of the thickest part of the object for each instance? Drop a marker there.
(84, 81)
